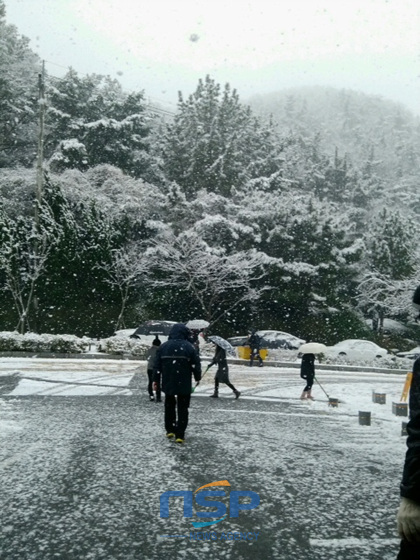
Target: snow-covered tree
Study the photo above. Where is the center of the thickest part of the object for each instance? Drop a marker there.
(25, 247)
(215, 142)
(126, 270)
(212, 281)
(91, 120)
(390, 265)
(19, 69)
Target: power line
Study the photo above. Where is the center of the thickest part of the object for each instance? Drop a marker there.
(86, 74)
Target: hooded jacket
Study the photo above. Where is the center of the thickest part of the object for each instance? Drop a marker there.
(410, 485)
(177, 360)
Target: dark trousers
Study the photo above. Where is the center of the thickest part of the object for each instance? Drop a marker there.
(409, 551)
(150, 385)
(309, 383)
(176, 414)
(216, 385)
(255, 353)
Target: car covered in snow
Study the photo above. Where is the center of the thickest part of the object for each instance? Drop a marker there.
(355, 349)
(412, 354)
(271, 339)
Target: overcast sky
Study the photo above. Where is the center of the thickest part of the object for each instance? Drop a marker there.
(258, 46)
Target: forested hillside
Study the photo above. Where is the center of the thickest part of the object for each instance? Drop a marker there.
(377, 136)
(298, 212)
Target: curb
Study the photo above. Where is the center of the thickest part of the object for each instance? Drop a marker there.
(233, 361)
(81, 356)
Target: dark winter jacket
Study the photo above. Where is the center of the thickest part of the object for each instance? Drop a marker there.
(254, 341)
(151, 357)
(193, 338)
(177, 360)
(410, 485)
(307, 367)
(219, 359)
(416, 301)
(416, 297)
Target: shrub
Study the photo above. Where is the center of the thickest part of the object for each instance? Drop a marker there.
(31, 342)
(124, 345)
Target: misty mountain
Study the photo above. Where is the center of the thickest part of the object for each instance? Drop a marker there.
(368, 130)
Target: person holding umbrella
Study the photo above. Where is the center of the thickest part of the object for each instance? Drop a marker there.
(197, 327)
(219, 359)
(177, 361)
(307, 372)
(307, 367)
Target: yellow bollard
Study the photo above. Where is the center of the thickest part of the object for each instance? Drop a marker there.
(407, 386)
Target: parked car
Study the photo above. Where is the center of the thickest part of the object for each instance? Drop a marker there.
(271, 339)
(356, 349)
(154, 327)
(238, 340)
(410, 354)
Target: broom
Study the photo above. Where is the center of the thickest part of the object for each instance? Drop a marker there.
(198, 382)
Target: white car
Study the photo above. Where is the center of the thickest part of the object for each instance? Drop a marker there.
(410, 354)
(356, 349)
(280, 339)
(271, 339)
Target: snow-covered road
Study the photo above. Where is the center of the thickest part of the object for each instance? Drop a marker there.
(84, 462)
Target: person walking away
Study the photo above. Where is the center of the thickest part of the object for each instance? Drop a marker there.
(193, 338)
(408, 517)
(222, 373)
(177, 361)
(307, 372)
(151, 358)
(254, 342)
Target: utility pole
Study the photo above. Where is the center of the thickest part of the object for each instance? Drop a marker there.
(39, 176)
(40, 153)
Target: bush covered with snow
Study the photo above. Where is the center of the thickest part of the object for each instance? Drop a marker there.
(123, 345)
(11, 341)
(390, 361)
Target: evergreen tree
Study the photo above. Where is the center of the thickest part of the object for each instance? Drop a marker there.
(215, 143)
(90, 120)
(19, 69)
(390, 263)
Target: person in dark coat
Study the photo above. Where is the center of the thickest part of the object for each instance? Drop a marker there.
(193, 338)
(177, 361)
(151, 358)
(254, 342)
(222, 373)
(307, 372)
(408, 517)
(416, 302)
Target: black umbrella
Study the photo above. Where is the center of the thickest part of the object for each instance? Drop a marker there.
(154, 327)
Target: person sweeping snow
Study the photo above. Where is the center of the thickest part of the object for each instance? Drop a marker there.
(222, 373)
(307, 372)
